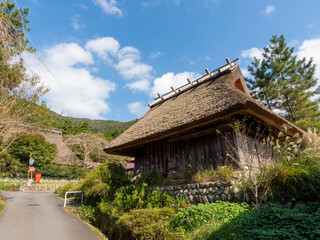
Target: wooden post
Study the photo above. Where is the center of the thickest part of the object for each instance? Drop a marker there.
(189, 80)
(207, 71)
(159, 96)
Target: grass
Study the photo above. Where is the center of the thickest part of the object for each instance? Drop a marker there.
(72, 210)
(198, 174)
(2, 206)
(11, 185)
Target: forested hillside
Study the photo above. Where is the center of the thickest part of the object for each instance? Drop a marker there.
(102, 126)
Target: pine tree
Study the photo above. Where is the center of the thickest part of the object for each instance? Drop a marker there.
(286, 84)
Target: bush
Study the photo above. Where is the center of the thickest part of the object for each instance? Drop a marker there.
(57, 171)
(61, 191)
(153, 179)
(196, 216)
(130, 197)
(87, 213)
(159, 199)
(135, 196)
(149, 224)
(103, 182)
(299, 178)
(9, 166)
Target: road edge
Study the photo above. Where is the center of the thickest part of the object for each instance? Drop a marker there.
(71, 210)
(2, 205)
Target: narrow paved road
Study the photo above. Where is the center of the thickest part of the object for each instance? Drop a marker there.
(39, 216)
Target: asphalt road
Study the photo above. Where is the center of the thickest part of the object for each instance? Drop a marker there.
(39, 216)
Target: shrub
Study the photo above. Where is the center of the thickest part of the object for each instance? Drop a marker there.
(61, 191)
(107, 221)
(87, 213)
(104, 181)
(192, 174)
(225, 173)
(149, 224)
(9, 166)
(69, 172)
(159, 199)
(196, 216)
(135, 196)
(153, 179)
(130, 197)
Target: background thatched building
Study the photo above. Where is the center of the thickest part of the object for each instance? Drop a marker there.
(180, 129)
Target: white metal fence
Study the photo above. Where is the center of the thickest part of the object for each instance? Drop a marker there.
(73, 198)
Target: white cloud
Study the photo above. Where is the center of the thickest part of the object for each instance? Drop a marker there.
(269, 10)
(311, 48)
(129, 65)
(126, 60)
(138, 109)
(109, 7)
(82, 6)
(208, 58)
(162, 84)
(156, 54)
(104, 47)
(310, 25)
(252, 53)
(139, 86)
(73, 89)
(245, 72)
(75, 22)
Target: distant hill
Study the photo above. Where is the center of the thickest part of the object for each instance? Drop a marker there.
(102, 126)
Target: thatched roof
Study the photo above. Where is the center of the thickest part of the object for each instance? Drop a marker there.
(219, 96)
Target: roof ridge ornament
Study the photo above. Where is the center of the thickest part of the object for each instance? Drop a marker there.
(190, 84)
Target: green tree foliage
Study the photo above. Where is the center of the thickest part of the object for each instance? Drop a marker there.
(9, 166)
(285, 83)
(68, 127)
(13, 27)
(34, 146)
(20, 105)
(103, 182)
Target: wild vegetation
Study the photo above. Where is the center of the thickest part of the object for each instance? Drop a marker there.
(123, 210)
(2, 206)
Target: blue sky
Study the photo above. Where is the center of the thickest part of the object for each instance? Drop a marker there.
(107, 59)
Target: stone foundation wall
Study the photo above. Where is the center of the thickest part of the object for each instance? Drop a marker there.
(38, 187)
(202, 192)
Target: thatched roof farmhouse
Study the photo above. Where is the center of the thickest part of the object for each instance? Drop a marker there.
(180, 129)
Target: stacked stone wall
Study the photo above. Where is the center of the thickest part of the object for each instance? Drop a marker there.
(38, 187)
(202, 192)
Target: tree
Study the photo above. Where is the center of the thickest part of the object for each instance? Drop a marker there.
(284, 83)
(13, 28)
(35, 146)
(20, 93)
(87, 143)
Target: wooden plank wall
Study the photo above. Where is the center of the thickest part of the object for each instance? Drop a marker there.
(175, 156)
